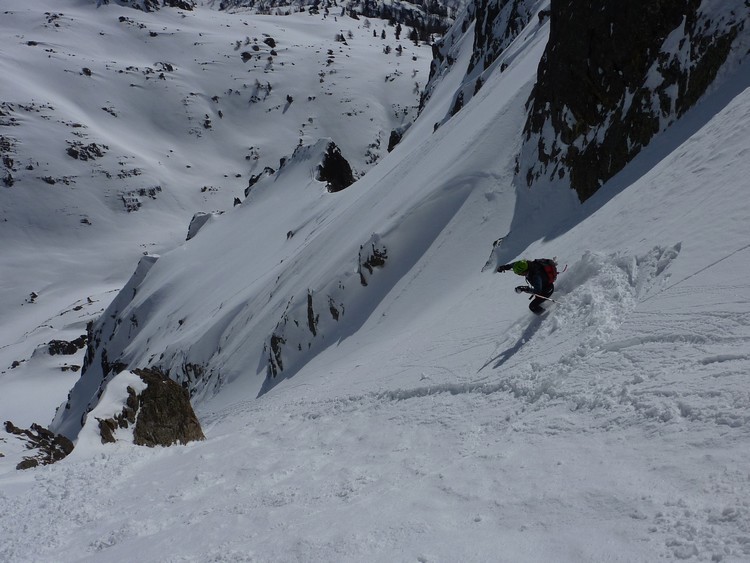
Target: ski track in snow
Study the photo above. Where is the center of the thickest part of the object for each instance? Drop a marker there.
(566, 409)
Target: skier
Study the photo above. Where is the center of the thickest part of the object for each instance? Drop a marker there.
(540, 274)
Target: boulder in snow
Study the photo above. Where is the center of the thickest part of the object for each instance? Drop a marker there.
(335, 170)
(159, 409)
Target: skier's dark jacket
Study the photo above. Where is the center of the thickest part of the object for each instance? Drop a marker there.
(538, 279)
(536, 276)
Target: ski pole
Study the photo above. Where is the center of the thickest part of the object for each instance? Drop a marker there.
(543, 297)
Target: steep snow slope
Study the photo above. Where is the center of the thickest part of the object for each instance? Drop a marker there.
(306, 288)
(183, 108)
(450, 425)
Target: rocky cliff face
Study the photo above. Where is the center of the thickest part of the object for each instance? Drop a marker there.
(494, 24)
(422, 17)
(152, 5)
(498, 23)
(614, 75)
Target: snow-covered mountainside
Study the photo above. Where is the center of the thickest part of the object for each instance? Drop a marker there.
(306, 287)
(370, 390)
(116, 126)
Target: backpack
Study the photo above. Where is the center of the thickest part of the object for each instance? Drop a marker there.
(550, 268)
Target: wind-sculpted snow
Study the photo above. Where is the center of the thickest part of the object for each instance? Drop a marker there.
(326, 315)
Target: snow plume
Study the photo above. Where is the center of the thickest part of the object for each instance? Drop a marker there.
(592, 300)
(598, 101)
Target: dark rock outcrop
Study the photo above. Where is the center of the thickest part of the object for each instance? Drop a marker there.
(198, 221)
(335, 170)
(613, 75)
(65, 348)
(50, 447)
(394, 139)
(304, 325)
(154, 5)
(108, 426)
(498, 23)
(165, 415)
(187, 5)
(267, 171)
(162, 414)
(79, 151)
(372, 254)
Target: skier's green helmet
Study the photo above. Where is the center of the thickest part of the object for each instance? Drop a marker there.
(520, 267)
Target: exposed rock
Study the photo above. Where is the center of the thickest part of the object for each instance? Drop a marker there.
(63, 347)
(28, 463)
(333, 309)
(165, 415)
(498, 23)
(133, 199)
(394, 139)
(312, 318)
(305, 326)
(187, 5)
(275, 363)
(614, 75)
(161, 413)
(372, 254)
(106, 430)
(335, 170)
(267, 171)
(79, 151)
(50, 447)
(154, 5)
